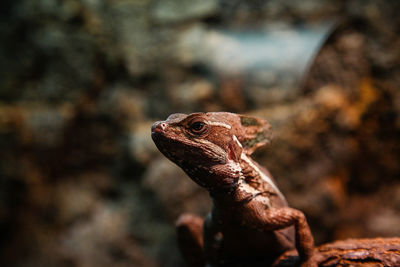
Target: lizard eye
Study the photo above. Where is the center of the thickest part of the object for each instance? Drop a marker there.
(198, 127)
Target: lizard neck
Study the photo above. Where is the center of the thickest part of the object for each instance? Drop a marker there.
(257, 178)
(252, 183)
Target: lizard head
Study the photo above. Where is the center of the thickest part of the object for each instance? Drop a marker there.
(208, 146)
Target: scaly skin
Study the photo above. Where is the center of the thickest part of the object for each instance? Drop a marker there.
(250, 223)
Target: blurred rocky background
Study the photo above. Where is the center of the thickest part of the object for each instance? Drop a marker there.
(81, 183)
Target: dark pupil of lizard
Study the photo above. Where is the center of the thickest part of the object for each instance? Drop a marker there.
(197, 126)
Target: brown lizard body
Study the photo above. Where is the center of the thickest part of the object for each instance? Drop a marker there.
(250, 223)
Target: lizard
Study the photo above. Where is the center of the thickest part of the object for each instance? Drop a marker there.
(250, 223)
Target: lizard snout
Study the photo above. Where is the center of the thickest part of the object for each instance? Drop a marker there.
(158, 127)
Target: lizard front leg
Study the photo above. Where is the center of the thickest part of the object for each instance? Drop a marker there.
(279, 218)
(190, 239)
(212, 240)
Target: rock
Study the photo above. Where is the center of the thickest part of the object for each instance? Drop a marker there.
(191, 95)
(173, 11)
(174, 188)
(34, 124)
(140, 144)
(127, 105)
(215, 49)
(377, 252)
(101, 240)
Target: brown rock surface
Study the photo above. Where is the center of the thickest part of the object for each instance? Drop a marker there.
(377, 252)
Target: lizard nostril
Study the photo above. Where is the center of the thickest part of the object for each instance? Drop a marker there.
(158, 127)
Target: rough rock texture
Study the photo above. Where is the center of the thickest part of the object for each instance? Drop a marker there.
(82, 81)
(377, 252)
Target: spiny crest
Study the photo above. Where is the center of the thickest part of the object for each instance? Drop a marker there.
(256, 133)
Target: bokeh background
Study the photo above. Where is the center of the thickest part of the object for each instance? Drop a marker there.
(83, 80)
